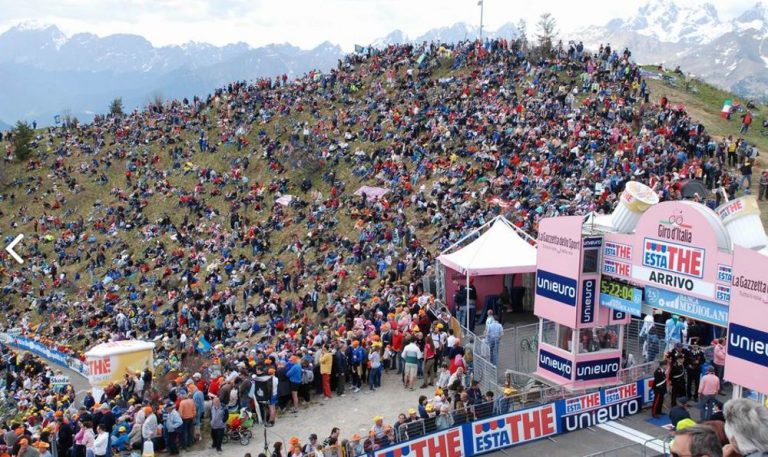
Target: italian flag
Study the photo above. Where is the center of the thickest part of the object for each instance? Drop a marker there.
(727, 104)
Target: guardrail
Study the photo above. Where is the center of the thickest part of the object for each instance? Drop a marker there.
(41, 350)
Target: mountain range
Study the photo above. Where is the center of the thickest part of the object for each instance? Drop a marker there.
(44, 72)
(727, 54)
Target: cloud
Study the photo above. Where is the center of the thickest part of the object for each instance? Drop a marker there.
(306, 23)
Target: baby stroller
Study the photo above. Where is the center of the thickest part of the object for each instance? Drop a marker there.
(239, 428)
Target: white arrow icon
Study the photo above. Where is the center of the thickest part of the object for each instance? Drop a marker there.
(13, 253)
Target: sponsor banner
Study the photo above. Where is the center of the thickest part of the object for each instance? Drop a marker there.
(747, 361)
(724, 273)
(511, 429)
(617, 250)
(620, 305)
(600, 407)
(598, 369)
(723, 293)
(703, 310)
(669, 280)
(59, 381)
(673, 258)
(748, 344)
(503, 431)
(617, 315)
(41, 350)
(592, 242)
(737, 208)
(588, 292)
(617, 268)
(448, 443)
(556, 287)
(555, 364)
(600, 415)
(647, 385)
(111, 368)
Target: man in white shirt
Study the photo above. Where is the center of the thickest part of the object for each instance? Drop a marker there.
(411, 355)
(493, 333)
(101, 442)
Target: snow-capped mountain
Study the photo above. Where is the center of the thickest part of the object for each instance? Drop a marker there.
(44, 72)
(667, 21)
(457, 32)
(729, 54)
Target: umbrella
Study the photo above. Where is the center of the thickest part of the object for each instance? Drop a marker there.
(694, 186)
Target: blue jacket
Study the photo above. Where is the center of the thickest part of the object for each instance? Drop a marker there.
(294, 373)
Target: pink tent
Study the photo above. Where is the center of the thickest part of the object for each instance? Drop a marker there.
(372, 193)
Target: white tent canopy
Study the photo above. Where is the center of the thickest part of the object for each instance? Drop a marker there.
(500, 250)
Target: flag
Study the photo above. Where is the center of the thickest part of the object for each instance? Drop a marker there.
(203, 345)
(479, 2)
(421, 58)
(57, 118)
(727, 105)
(359, 48)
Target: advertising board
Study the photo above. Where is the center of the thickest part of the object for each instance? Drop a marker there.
(591, 370)
(747, 360)
(555, 364)
(448, 443)
(674, 248)
(621, 297)
(525, 425)
(703, 310)
(514, 428)
(558, 260)
(587, 308)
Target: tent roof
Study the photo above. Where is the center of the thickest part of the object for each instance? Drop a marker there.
(500, 250)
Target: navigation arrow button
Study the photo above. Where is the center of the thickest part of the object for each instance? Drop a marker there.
(13, 253)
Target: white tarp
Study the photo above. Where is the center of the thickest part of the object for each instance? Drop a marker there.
(500, 250)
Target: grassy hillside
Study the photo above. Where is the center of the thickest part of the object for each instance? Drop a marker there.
(373, 116)
(705, 102)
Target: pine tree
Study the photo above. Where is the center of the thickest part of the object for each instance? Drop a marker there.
(22, 140)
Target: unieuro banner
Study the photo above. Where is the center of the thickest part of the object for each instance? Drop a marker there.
(590, 370)
(747, 360)
(526, 425)
(558, 262)
(600, 407)
(555, 364)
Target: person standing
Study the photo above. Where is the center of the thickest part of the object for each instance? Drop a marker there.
(326, 368)
(493, 333)
(173, 424)
(411, 355)
(708, 389)
(340, 368)
(429, 362)
(659, 389)
(718, 359)
(694, 360)
(677, 379)
(187, 412)
(218, 417)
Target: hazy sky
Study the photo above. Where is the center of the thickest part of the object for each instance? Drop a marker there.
(307, 23)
